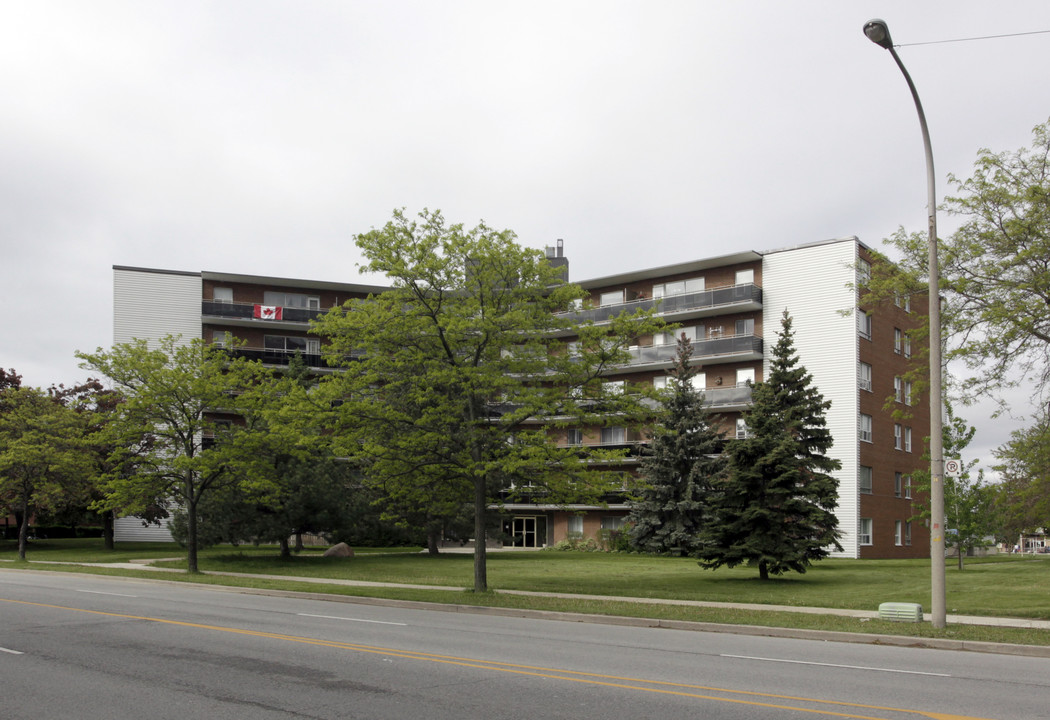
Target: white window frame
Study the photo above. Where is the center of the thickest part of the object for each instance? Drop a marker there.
(907, 487)
(864, 479)
(222, 294)
(574, 526)
(898, 389)
(907, 346)
(863, 272)
(898, 484)
(864, 428)
(898, 436)
(745, 376)
(741, 429)
(679, 287)
(898, 533)
(898, 340)
(613, 297)
(865, 532)
(864, 324)
(573, 437)
(864, 376)
(745, 326)
(907, 439)
(744, 277)
(614, 435)
(907, 392)
(907, 532)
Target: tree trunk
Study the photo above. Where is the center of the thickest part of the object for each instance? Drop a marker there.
(286, 550)
(107, 529)
(433, 538)
(23, 528)
(959, 550)
(763, 570)
(191, 533)
(481, 583)
(298, 541)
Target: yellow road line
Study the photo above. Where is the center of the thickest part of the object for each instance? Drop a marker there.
(662, 687)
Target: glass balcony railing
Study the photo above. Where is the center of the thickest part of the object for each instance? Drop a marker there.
(270, 356)
(747, 345)
(214, 308)
(747, 294)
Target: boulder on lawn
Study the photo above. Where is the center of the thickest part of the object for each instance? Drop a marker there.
(341, 550)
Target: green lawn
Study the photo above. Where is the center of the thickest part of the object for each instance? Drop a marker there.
(1008, 586)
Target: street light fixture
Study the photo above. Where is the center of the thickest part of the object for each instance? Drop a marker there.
(879, 33)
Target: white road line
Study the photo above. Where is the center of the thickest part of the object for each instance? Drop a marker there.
(11, 652)
(99, 592)
(848, 667)
(333, 617)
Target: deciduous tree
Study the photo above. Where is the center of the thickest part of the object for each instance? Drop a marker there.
(44, 462)
(453, 378)
(177, 435)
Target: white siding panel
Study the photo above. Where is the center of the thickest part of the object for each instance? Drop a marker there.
(131, 529)
(812, 283)
(149, 304)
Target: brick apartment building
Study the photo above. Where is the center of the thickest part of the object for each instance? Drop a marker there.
(728, 306)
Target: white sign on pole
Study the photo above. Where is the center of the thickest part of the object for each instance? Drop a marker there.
(952, 467)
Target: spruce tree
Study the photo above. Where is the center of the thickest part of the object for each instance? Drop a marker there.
(679, 468)
(775, 509)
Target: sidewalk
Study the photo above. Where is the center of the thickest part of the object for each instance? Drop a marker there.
(870, 614)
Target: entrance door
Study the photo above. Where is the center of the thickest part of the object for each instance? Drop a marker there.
(528, 531)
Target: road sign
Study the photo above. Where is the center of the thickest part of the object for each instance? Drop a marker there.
(952, 467)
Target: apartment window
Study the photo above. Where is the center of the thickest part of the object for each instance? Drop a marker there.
(863, 272)
(612, 522)
(898, 389)
(907, 487)
(907, 392)
(907, 346)
(613, 387)
(660, 382)
(741, 429)
(679, 287)
(865, 428)
(223, 294)
(865, 479)
(699, 382)
(573, 348)
(898, 533)
(902, 301)
(907, 439)
(218, 338)
(574, 436)
(282, 343)
(864, 324)
(864, 536)
(745, 277)
(745, 326)
(691, 333)
(611, 298)
(907, 532)
(294, 300)
(745, 376)
(898, 340)
(898, 436)
(614, 435)
(898, 484)
(864, 376)
(575, 525)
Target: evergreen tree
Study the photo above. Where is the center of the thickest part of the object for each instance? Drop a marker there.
(679, 468)
(775, 509)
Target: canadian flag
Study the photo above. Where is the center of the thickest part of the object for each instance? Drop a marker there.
(268, 312)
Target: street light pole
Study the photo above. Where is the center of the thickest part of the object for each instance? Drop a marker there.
(879, 33)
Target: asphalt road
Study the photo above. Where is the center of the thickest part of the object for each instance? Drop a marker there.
(82, 647)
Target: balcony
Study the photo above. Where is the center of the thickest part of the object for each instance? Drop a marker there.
(236, 313)
(712, 351)
(270, 356)
(735, 298)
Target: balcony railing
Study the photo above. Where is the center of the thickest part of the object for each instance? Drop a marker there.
(276, 357)
(246, 311)
(731, 345)
(745, 294)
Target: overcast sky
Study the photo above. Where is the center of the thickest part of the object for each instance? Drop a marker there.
(259, 137)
